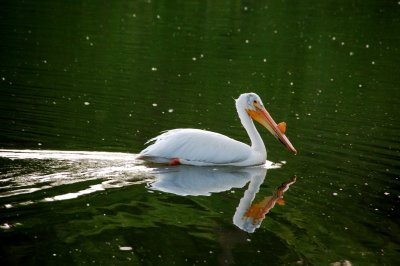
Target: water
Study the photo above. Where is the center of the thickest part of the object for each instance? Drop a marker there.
(84, 85)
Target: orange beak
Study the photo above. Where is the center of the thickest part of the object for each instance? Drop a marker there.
(262, 116)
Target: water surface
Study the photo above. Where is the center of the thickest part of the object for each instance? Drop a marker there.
(84, 85)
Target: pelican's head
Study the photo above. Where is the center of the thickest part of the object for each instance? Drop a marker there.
(254, 107)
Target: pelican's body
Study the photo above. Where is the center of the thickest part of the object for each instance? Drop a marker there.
(201, 147)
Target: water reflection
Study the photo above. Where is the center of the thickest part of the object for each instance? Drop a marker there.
(53, 171)
(202, 181)
(196, 181)
(248, 216)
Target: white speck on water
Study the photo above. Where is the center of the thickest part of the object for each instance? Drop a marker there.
(310, 46)
(86, 103)
(247, 41)
(54, 103)
(265, 60)
(342, 43)
(334, 194)
(154, 104)
(134, 15)
(360, 85)
(248, 240)
(373, 62)
(87, 204)
(153, 69)
(291, 83)
(194, 58)
(245, 8)
(125, 248)
(365, 184)
(351, 53)
(8, 206)
(170, 110)
(54, 254)
(367, 46)
(87, 38)
(386, 193)
(333, 38)
(158, 16)
(44, 61)
(309, 114)
(5, 226)
(211, 252)
(201, 56)
(39, 144)
(275, 31)
(3, 78)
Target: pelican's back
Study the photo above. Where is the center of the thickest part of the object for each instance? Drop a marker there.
(195, 146)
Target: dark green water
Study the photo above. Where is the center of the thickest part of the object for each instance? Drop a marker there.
(96, 76)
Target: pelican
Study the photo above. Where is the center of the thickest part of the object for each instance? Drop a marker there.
(200, 147)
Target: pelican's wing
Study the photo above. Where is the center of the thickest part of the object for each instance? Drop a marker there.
(197, 145)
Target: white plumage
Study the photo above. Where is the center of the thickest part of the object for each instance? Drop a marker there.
(196, 146)
(201, 147)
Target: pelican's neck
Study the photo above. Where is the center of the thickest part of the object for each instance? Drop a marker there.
(257, 143)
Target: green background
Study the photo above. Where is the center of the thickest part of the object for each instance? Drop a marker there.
(107, 76)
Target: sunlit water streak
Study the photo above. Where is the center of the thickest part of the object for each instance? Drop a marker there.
(59, 168)
(112, 170)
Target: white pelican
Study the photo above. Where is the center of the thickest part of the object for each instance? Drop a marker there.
(201, 147)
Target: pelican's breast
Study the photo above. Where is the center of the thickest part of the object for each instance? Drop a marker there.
(195, 145)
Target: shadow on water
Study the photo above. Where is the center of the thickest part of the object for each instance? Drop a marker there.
(44, 170)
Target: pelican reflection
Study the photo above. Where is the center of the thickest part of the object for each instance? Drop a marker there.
(203, 181)
(248, 216)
